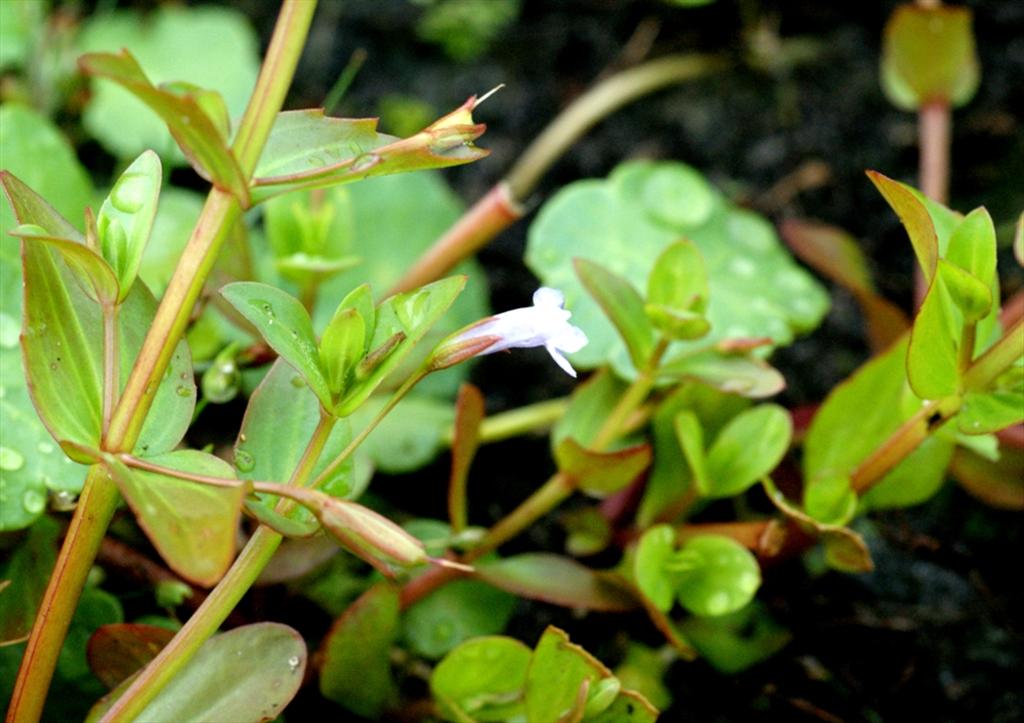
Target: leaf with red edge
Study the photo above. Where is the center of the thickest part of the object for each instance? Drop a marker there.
(557, 580)
(600, 474)
(835, 254)
(999, 484)
(914, 217)
(469, 415)
(116, 652)
(198, 134)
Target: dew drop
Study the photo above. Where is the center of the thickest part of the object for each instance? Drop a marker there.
(293, 663)
(130, 192)
(298, 382)
(365, 162)
(10, 459)
(183, 391)
(9, 331)
(63, 501)
(244, 461)
(33, 501)
(44, 447)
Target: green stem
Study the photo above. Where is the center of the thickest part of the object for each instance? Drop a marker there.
(966, 351)
(111, 363)
(99, 499)
(221, 601)
(516, 422)
(99, 496)
(361, 437)
(631, 399)
(997, 359)
(551, 494)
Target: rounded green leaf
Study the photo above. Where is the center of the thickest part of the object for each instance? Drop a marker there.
(830, 500)
(714, 575)
(482, 680)
(679, 280)
(628, 220)
(750, 446)
(656, 548)
(454, 613)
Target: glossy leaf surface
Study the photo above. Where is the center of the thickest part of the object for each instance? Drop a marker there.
(555, 579)
(600, 474)
(750, 445)
(453, 614)
(623, 306)
(482, 680)
(557, 671)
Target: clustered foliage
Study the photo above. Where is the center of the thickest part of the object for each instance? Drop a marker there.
(121, 328)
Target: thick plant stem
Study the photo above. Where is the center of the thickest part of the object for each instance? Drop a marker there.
(99, 498)
(221, 601)
(502, 205)
(934, 123)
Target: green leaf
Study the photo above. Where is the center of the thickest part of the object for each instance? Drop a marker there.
(751, 445)
(42, 158)
(972, 247)
(341, 347)
(454, 613)
(916, 479)
(714, 575)
(215, 47)
(628, 707)
(600, 474)
(655, 549)
(311, 234)
(333, 151)
(557, 671)
(623, 306)
(89, 269)
(356, 671)
(928, 55)
(732, 643)
(23, 578)
(407, 316)
(643, 670)
(395, 219)
(914, 217)
(627, 220)
(247, 674)
(743, 374)
(193, 526)
(591, 403)
(278, 424)
(830, 500)
(284, 324)
(690, 435)
(556, 579)
(932, 361)
(196, 133)
(119, 650)
(482, 680)
(19, 24)
(679, 279)
(984, 412)
(126, 218)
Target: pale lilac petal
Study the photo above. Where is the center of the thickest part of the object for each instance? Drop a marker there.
(569, 339)
(560, 360)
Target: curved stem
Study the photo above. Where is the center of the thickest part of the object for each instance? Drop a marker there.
(522, 420)
(221, 601)
(99, 497)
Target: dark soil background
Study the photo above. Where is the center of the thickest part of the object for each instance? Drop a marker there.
(935, 634)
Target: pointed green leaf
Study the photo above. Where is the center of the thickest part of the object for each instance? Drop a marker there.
(93, 274)
(247, 674)
(406, 317)
(932, 363)
(600, 474)
(972, 246)
(341, 348)
(714, 575)
(623, 306)
(744, 374)
(556, 579)
(356, 669)
(285, 325)
(193, 526)
(915, 219)
(676, 324)
(196, 133)
(482, 680)
(126, 218)
(278, 424)
(679, 279)
(557, 671)
(751, 445)
(972, 298)
(690, 434)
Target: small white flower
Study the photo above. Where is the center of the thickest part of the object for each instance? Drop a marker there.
(545, 324)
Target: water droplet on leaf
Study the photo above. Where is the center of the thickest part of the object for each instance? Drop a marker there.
(244, 461)
(33, 501)
(9, 330)
(130, 192)
(10, 459)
